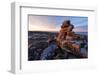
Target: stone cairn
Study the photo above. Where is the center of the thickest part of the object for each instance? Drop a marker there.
(66, 30)
(66, 37)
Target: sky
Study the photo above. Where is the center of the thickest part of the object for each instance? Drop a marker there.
(53, 23)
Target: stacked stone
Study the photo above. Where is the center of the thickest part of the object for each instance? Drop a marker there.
(66, 37)
(66, 30)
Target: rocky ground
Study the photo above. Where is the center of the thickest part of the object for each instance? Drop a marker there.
(37, 42)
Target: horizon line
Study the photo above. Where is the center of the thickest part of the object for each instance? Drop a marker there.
(51, 31)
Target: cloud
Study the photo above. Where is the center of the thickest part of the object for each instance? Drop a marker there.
(81, 29)
(41, 23)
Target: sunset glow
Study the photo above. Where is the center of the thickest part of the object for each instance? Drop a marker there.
(53, 23)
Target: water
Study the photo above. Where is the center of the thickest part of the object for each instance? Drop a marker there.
(82, 33)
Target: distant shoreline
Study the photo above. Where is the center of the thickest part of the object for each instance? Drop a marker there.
(81, 33)
(53, 31)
